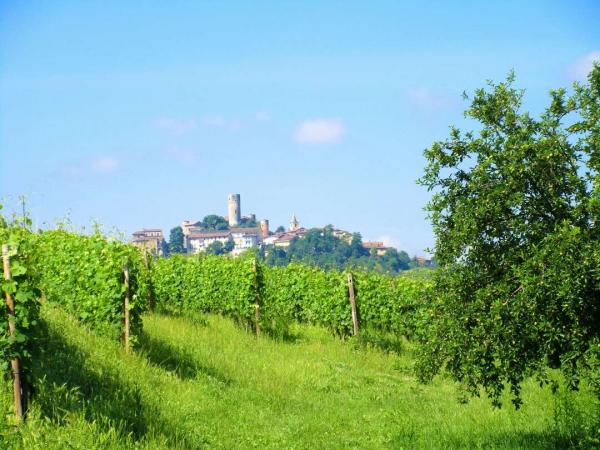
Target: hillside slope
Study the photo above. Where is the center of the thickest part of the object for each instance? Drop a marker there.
(202, 382)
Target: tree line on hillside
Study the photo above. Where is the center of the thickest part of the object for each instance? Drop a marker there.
(321, 248)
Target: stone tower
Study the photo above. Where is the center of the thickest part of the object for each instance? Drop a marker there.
(294, 224)
(264, 228)
(234, 208)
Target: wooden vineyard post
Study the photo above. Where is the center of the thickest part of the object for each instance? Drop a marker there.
(126, 306)
(14, 363)
(150, 299)
(256, 300)
(353, 304)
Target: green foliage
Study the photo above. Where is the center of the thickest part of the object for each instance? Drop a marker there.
(391, 304)
(215, 248)
(214, 222)
(306, 294)
(247, 222)
(229, 245)
(166, 275)
(164, 248)
(321, 248)
(220, 248)
(230, 286)
(206, 283)
(275, 256)
(176, 240)
(515, 213)
(84, 274)
(25, 293)
(396, 260)
(200, 382)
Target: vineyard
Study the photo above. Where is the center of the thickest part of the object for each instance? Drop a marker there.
(102, 293)
(107, 285)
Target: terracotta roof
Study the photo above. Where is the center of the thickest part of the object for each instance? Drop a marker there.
(286, 238)
(148, 230)
(374, 245)
(147, 235)
(209, 234)
(252, 230)
(145, 239)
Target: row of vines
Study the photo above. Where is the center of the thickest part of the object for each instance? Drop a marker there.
(234, 287)
(83, 274)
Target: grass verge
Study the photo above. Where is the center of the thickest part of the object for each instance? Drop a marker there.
(201, 382)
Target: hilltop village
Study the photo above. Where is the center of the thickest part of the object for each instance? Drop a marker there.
(236, 233)
(241, 230)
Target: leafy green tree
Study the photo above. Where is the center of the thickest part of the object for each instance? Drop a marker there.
(515, 212)
(214, 222)
(246, 222)
(356, 247)
(275, 256)
(395, 261)
(280, 229)
(215, 248)
(176, 241)
(228, 246)
(164, 248)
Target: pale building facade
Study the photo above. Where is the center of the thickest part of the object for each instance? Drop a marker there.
(243, 239)
(377, 246)
(150, 239)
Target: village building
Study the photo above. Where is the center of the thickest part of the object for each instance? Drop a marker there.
(377, 246)
(149, 239)
(196, 238)
(243, 239)
(343, 235)
(284, 239)
(198, 241)
(422, 261)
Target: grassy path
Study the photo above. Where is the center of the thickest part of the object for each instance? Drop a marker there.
(204, 383)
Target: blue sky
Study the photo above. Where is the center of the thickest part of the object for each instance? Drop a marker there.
(144, 114)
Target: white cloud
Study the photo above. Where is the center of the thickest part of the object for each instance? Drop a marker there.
(222, 123)
(176, 126)
(319, 131)
(105, 164)
(580, 68)
(424, 98)
(262, 116)
(181, 154)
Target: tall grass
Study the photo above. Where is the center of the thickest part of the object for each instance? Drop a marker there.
(201, 382)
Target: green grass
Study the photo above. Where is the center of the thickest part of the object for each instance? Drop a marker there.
(203, 383)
